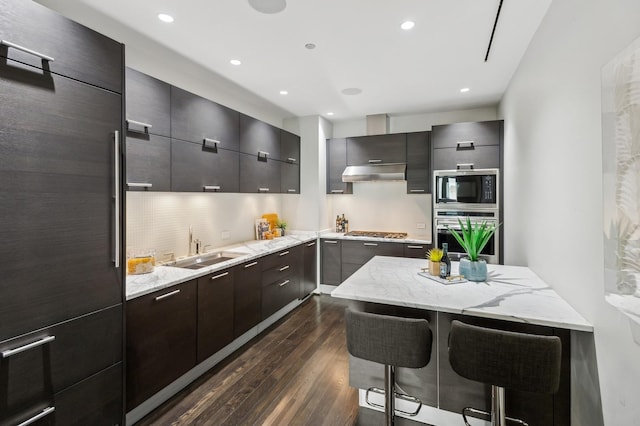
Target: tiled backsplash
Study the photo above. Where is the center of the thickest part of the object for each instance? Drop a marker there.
(160, 220)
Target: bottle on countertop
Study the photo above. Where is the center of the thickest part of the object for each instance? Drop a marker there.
(342, 223)
(445, 262)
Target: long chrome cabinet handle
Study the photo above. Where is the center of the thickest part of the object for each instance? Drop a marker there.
(164, 296)
(291, 160)
(14, 351)
(250, 265)
(215, 277)
(209, 141)
(147, 126)
(415, 247)
(139, 185)
(311, 244)
(371, 244)
(469, 144)
(375, 161)
(284, 268)
(416, 190)
(116, 203)
(330, 242)
(291, 190)
(464, 165)
(211, 187)
(38, 416)
(337, 191)
(284, 253)
(25, 50)
(263, 189)
(263, 154)
(283, 283)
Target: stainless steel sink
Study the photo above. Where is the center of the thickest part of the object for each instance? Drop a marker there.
(205, 260)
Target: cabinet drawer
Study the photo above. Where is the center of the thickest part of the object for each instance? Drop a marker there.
(215, 312)
(161, 340)
(279, 273)
(291, 256)
(481, 157)
(278, 294)
(78, 52)
(360, 252)
(148, 162)
(194, 118)
(148, 102)
(465, 135)
(195, 168)
(377, 149)
(417, 251)
(59, 356)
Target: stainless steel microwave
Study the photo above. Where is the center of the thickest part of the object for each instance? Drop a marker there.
(454, 189)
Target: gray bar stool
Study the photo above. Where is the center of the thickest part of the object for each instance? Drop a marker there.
(504, 360)
(392, 341)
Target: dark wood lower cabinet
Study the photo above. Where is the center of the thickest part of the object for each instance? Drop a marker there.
(247, 298)
(278, 294)
(161, 340)
(416, 251)
(281, 276)
(330, 257)
(215, 312)
(357, 253)
(310, 267)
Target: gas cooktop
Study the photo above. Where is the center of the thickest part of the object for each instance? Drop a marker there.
(377, 234)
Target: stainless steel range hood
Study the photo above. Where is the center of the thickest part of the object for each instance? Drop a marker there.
(375, 172)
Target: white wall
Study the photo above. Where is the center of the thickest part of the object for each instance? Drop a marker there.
(553, 190)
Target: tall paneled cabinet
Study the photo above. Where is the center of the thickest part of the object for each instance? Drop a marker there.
(61, 289)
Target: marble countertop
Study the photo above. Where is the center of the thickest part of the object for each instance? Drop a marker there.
(166, 276)
(341, 236)
(512, 293)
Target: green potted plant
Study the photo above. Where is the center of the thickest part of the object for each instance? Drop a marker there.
(434, 255)
(282, 226)
(473, 237)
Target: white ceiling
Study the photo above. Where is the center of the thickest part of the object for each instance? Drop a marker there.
(359, 44)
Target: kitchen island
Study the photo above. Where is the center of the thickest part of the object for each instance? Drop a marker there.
(513, 298)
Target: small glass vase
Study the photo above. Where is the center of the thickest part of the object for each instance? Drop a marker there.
(473, 271)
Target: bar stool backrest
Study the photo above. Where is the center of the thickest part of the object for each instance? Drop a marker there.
(519, 361)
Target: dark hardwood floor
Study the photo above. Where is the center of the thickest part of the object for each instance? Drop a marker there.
(295, 373)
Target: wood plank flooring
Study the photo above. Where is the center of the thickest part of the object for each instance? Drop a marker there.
(295, 373)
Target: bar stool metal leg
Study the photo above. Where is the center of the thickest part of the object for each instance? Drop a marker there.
(389, 394)
(497, 406)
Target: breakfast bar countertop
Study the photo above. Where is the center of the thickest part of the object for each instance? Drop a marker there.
(513, 293)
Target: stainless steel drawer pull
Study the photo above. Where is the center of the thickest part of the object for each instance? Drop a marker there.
(469, 144)
(415, 247)
(464, 166)
(371, 244)
(375, 161)
(146, 126)
(291, 160)
(284, 253)
(139, 185)
(215, 277)
(208, 142)
(263, 154)
(284, 268)
(44, 340)
(263, 189)
(116, 199)
(337, 191)
(251, 264)
(25, 50)
(416, 190)
(283, 283)
(164, 296)
(311, 244)
(38, 416)
(291, 190)
(330, 242)
(211, 187)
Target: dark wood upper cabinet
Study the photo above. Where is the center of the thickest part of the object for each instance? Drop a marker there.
(289, 147)
(197, 168)
(419, 163)
(259, 174)
(259, 137)
(78, 52)
(289, 178)
(215, 312)
(377, 149)
(463, 135)
(148, 160)
(148, 103)
(336, 163)
(194, 119)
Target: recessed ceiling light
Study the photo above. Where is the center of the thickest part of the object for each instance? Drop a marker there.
(284, 92)
(351, 91)
(235, 62)
(407, 25)
(329, 113)
(310, 46)
(464, 90)
(165, 18)
(268, 6)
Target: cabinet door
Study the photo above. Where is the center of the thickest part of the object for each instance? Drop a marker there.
(149, 102)
(56, 186)
(259, 174)
(215, 312)
(416, 251)
(247, 299)
(480, 157)
(336, 163)
(257, 136)
(467, 135)
(289, 147)
(196, 168)
(78, 52)
(331, 254)
(377, 149)
(194, 118)
(419, 163)
(289, 178)
(310, 268)
(161, 340)
(148, 162)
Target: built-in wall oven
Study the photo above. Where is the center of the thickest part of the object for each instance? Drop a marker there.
(466, 189)
(445, 220)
